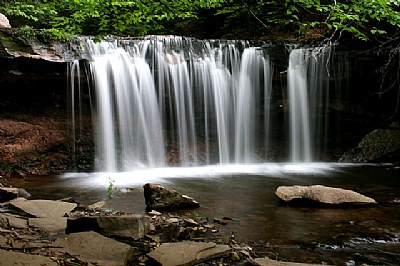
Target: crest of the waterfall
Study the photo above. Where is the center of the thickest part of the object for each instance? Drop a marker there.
(129, 132)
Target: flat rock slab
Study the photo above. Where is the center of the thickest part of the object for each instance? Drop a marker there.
(44, 208)
(322, 194)
(13, 221)
(188, 253)
(269, 262)
(51, 225)
(127, 226)
(158, 197)
(92, 247)
(16, 258)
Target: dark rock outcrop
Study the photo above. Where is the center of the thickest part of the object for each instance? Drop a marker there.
(158, 197)
(378, 145)
(9, 193)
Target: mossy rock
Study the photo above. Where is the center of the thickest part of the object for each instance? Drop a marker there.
(13, 42)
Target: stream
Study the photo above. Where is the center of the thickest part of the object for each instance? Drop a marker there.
(245, 193)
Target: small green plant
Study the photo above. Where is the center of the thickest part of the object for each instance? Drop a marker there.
(111, 187)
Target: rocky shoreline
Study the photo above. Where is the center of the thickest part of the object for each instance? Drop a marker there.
(65, 232)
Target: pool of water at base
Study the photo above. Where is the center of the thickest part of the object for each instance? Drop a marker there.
(335, 236)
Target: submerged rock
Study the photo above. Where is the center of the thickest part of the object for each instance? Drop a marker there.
(158, 197)
(322, 194)
(188, 253)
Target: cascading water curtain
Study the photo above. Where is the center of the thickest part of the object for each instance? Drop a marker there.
(168, 100)
(299, 114)
(308, 91)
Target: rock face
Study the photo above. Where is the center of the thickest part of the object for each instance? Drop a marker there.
(94, 248)
(322, 194)
(378, 145)
(158, 197)
(187, 253)
(126, 226)
(4, 23)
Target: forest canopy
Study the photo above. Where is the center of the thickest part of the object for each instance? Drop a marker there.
(360, 19)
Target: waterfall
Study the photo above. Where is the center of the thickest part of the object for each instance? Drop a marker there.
(167, 100)
(300, 138)
(308, 91)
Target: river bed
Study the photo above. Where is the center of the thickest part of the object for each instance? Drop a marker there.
(245, 193)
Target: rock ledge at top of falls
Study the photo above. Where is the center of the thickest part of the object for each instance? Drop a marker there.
(14, 45)
(322, 194)
(158, 197)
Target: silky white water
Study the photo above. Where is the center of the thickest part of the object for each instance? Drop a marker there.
(172, 101)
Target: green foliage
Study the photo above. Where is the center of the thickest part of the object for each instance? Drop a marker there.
(103, 17)
(363, 19)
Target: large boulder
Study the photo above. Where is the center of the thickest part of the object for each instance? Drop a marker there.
(125, 226)
(378, 145)
(158, 197)
(322, 194)
(188, 253)
(4, 22)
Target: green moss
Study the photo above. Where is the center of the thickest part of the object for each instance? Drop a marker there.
(13, 42)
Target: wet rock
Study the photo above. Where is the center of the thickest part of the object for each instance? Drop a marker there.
(9, 193)
(94, 248)
(188, 253)
(269, 262)
(158, 197)
(134, 226)
(378, 145)
(16, 258)
(4, 22)
(322, 194)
